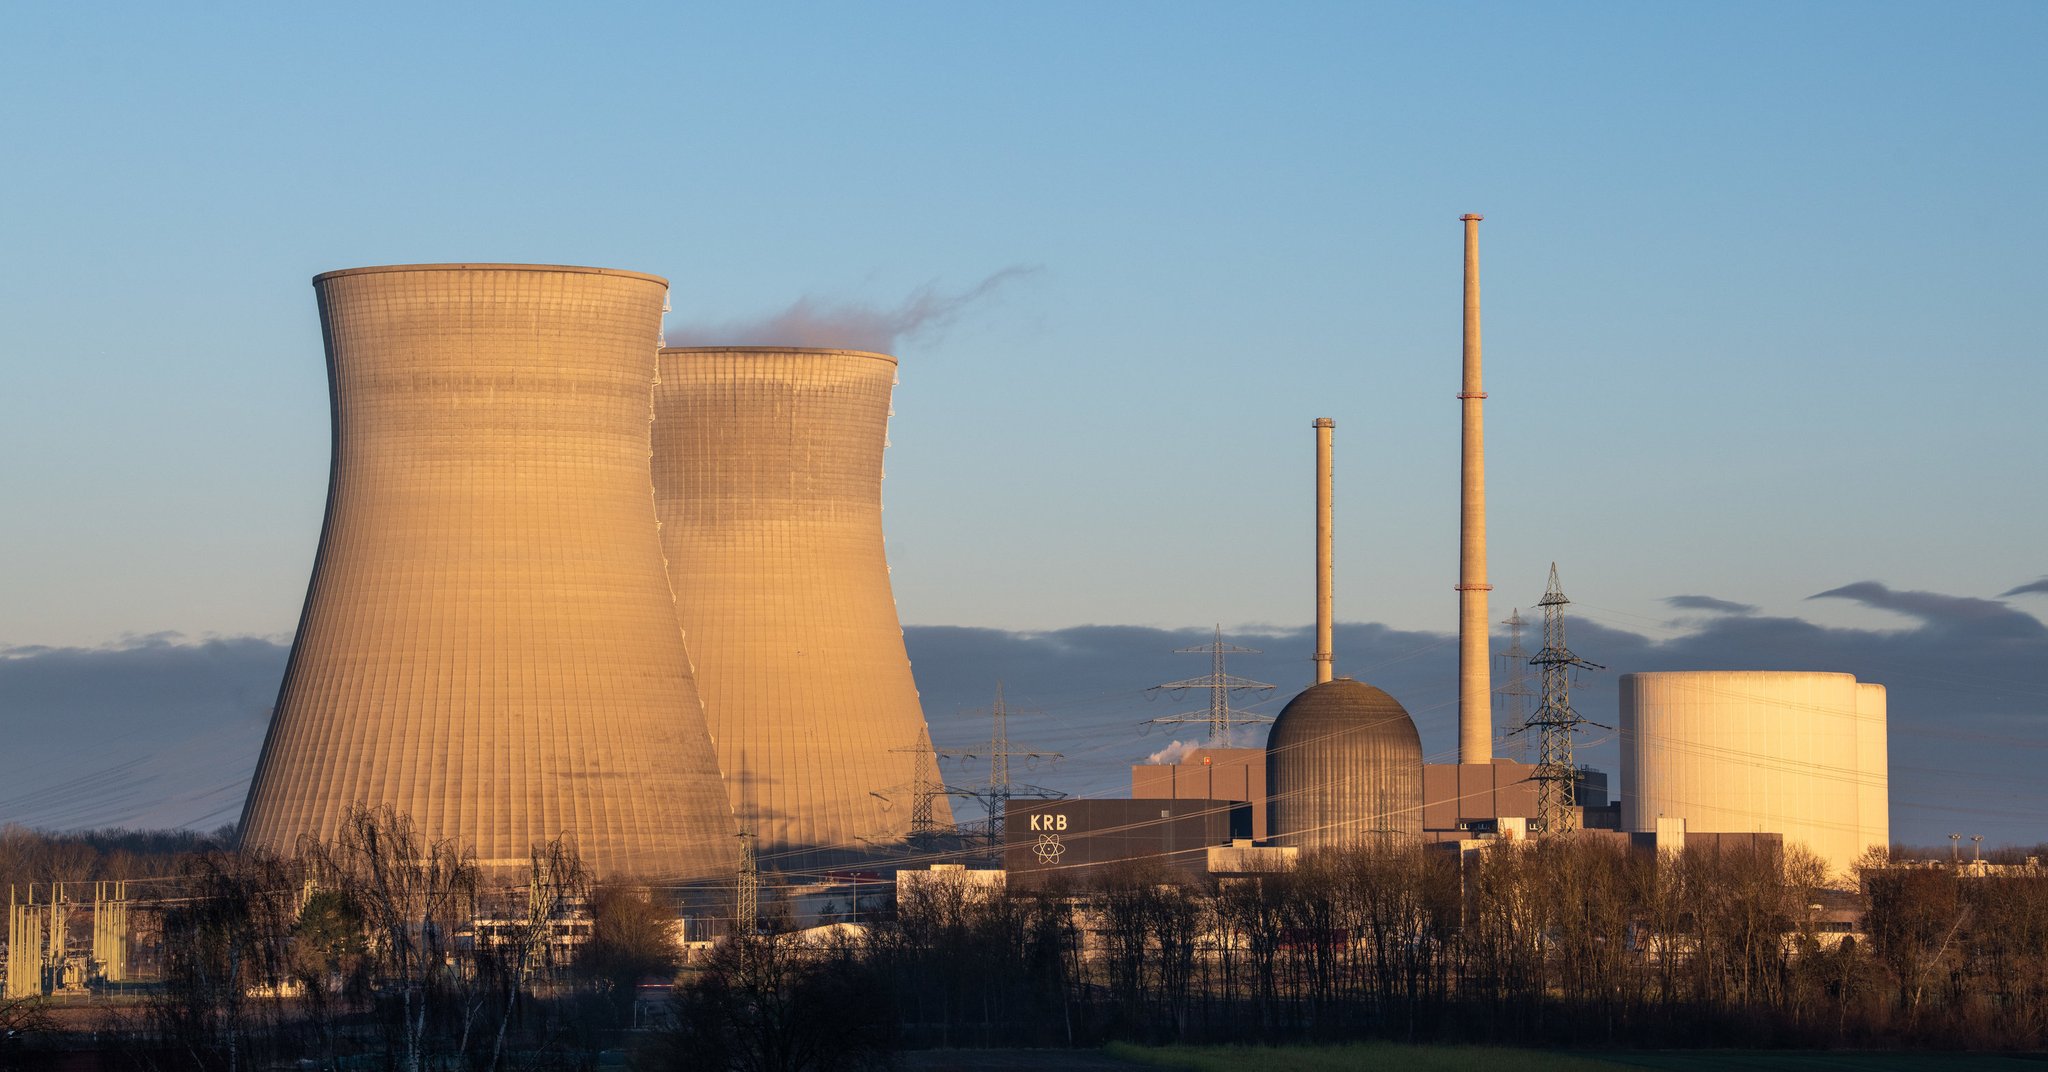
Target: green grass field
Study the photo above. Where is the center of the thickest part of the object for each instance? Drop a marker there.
(1360, 1057)
(1371, 1056)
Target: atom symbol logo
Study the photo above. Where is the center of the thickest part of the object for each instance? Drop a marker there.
(1048, 848)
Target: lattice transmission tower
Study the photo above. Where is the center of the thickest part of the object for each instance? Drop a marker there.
(997, 791)
(1222, 718)
(747, 907)
(1511, 697)
(1557, 771)
(926, 787)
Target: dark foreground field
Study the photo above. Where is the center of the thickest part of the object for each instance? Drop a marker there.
(1390, 1056)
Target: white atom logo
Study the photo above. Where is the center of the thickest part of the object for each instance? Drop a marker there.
(1048, 848)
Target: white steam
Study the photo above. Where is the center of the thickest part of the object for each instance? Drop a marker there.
(1177, 752)
(811, 322)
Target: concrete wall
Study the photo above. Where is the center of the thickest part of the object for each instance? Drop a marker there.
(1344, 769)
(1231, 774)
(1873, 770)
(1074, 840)
(768, 478)
(1453, 793)
(488, 642)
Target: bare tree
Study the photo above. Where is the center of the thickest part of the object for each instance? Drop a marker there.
(225, 958)
(412, 897)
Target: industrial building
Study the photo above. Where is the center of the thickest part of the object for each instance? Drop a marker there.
(1234, 774)
(488, 642)
(1343, 759)
(1074, 841)
(767, 469)
(1458, 798)
(1345, 765)
(1799, 754)
(574, 584)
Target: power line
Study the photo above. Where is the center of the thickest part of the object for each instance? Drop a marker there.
(999, 788)
(1557, 792)
(1221, 717)
(1513, 695)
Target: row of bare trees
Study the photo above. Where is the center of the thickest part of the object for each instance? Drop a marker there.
(1559, 942)
(34, 856)
(383, 949)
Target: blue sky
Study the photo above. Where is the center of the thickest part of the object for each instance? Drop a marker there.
(1762, 284)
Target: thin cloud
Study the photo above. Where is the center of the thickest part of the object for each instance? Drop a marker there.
(2039, 587)
(154, 731)
(1709, 603)
(165, 733)
(1934, 609)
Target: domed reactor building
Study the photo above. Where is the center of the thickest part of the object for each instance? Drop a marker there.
(489, 643)
(1344, 767)
(768, 482)
(1343, 759)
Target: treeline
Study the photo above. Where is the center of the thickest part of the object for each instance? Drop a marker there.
(1553, 943)
(36, 856)
(382, 949)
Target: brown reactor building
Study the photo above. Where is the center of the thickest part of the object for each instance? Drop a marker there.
(489, 642)
(768, 482)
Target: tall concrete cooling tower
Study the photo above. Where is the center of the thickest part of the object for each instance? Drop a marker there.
(768, 480)
(489, 642)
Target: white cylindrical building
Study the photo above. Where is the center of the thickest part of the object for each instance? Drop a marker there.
(1756, 752)
(1874, 801)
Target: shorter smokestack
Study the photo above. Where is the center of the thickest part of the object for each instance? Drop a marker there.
(1324, 569)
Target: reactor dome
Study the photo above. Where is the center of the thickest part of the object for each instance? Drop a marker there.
(1344, 767)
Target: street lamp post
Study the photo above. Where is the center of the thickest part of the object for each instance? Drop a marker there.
(1955, 846)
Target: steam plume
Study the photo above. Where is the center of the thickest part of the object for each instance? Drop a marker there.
(810, 321)
(1177, 752)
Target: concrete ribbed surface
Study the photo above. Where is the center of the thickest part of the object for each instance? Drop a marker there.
(768, 476)
(489, 642)
(1344, 767)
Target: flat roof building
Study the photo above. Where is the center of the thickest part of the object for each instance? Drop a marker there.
(1074, 841)
(1237, 774)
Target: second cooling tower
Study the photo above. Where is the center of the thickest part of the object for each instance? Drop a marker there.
(768, 483)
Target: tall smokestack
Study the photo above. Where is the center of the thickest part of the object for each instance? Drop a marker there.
(1324, 572)
(1475, 683)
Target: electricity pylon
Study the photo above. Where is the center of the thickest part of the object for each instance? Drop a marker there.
(1512, 696)
(1223, 719)
(1557, 771)
(998, 790)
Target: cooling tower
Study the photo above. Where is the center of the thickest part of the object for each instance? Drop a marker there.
(1344, 765)
(768, 481)
(489, 643)
(1756, 751)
